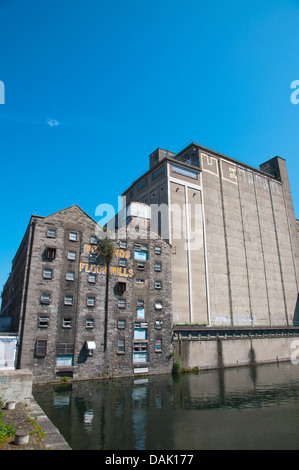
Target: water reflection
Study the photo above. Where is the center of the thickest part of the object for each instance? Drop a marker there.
(242, 408)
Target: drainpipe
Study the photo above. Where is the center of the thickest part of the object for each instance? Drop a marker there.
(25, 293)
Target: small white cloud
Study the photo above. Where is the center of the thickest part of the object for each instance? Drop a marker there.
(53, 122)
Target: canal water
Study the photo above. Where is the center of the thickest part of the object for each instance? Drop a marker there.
(241, 408)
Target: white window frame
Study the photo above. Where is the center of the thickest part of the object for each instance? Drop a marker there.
(67, 323)
(158, 285)
(70, 276)
(72, 255)
(68, 300)
(53, 234)
(90, 301)
(73, 236)
(49, 275)
(92, 278)
(43, 322)
(89, 323)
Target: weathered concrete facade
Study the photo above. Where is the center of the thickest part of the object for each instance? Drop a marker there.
(233, 234)
(64, 326)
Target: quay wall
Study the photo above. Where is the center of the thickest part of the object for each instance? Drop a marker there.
(221, 353)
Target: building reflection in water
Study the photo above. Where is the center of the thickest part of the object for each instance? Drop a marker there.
(246, 407)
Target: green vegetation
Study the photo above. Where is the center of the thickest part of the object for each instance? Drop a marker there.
(6, 430)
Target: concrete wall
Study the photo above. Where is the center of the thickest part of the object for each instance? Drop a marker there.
(212, 354)
(251, 245)
(16, 385)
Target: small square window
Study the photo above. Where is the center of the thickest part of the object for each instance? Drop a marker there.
(67, 323)
(158, 324)
(158, 284)
(122, 262)
(43, 322)
(158, 345)
(122, 303)
(158, 305)
(93, 240)
(158, 267)
(45, 299)
(140, 282)
(73, 236)
(51, 233)
(121, 346)
(123, 244)
(140, 303)
(158, 250)
(89, 323)
(70, 276)
(140, 266)
(92, 278)
(91, 301)
(71, 255)
(121, 324)
(47, 273)
(68, 300)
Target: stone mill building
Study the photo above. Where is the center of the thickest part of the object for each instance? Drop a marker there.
(210, 281)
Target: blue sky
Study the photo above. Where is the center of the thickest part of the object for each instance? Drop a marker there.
(92, 88)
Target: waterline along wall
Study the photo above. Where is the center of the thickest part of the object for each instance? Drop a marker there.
(212, 348)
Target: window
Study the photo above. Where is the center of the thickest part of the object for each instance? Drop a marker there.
(92, 278)
(142, 184)
(139, 333)
(121, 346)
(41, 348)
(45, 299)
(158, 267)
(50, 253)
(140, 313)
(123, 262)
(121, 287)
(158, 305)
(140, 282)
(65, 349)
(140, 303)
(68, 300)
(158, 250)
(51, 233)
(91, 301)
(158, 284)
(121, 324)
(70, 276)
(141, 252)
(140, 352)
(73, 236)
(67, 323)
(140, 266)
(89, 323)
(158, 345)
(122, 303)
(47, 273)
(93, 240)
(71, 255)
(123, 244)
(43, 322)
(64, 361)
(141, 255)
(158, 324)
